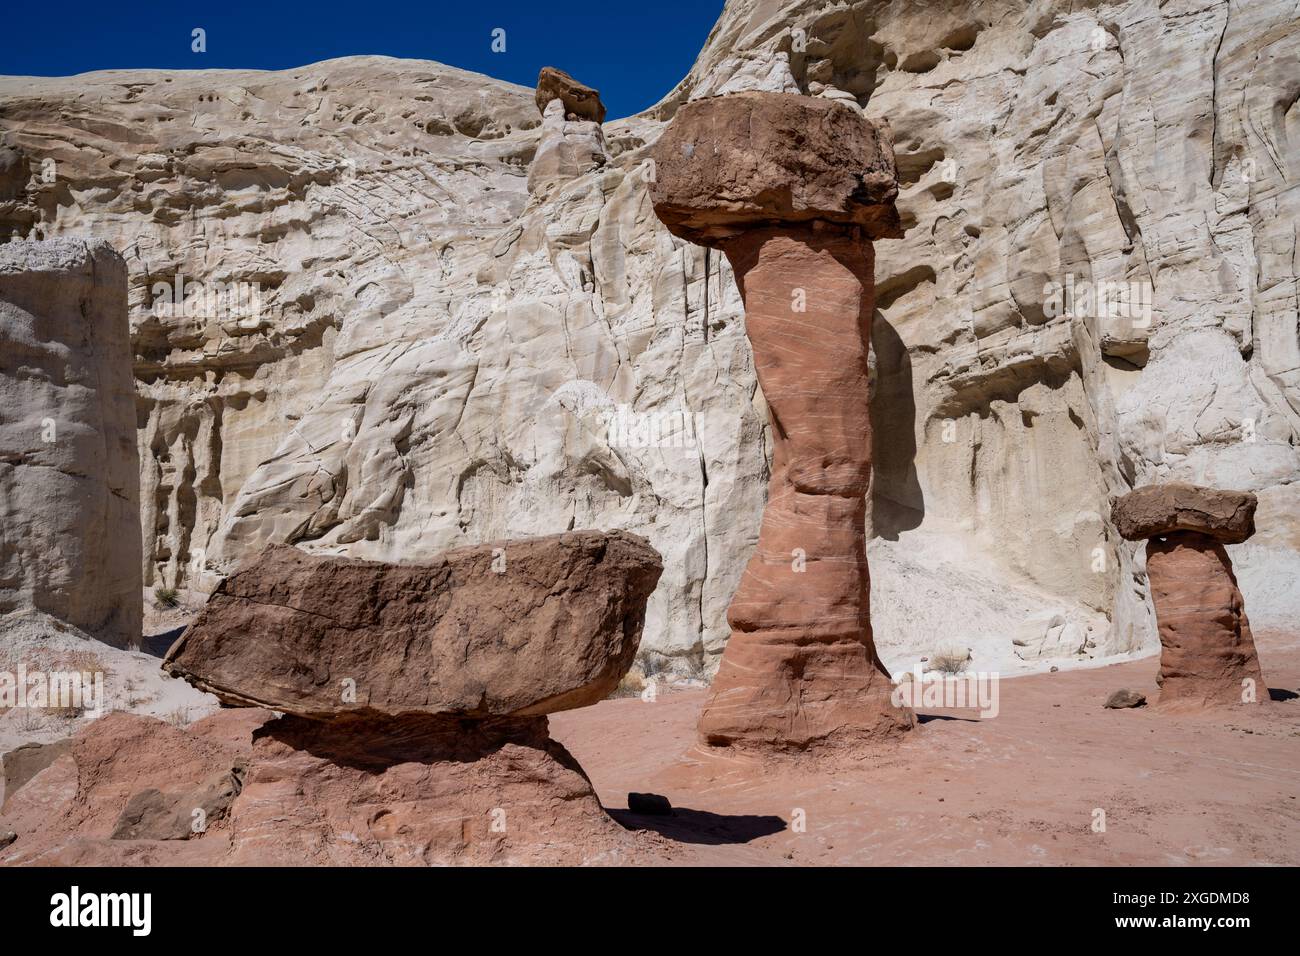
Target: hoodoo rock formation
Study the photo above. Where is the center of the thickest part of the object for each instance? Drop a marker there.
(70, 542)
(415, 696)
(414, 727)
(793, 190)
(1207, 654)
(572, 142)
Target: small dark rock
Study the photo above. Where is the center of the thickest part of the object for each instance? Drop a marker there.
(1125, 698)
(6, 838)
(651, 804)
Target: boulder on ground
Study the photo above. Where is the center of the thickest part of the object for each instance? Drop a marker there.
(1125, 698)
(152, 814)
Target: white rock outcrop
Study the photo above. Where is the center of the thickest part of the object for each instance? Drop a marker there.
(69, 473)
(468, 324)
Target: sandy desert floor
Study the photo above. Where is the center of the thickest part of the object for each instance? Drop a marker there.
(1019, 789)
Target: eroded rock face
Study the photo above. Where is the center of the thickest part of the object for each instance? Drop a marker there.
(74, 812)
(23, 763)
(1207, 653)
(580, 101)
(419, 791)
(69, 471)
(567, 150)
(288, 791)
(513, 629)
(16, 214)
(1226, 516)
(1023, 162)
(153, 814)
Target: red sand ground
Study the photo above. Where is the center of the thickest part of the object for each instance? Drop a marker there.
(1219, 787)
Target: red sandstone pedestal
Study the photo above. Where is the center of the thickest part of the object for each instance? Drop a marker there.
(1207, 653)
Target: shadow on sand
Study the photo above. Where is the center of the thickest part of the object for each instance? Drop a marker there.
(700, 826)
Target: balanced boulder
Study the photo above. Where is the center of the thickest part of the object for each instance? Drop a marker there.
(512, 629)
(412, 725)
(728, 165)
(1227, 516)
(580, 101)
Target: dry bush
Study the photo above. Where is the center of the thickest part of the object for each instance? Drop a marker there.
(952, 660)
(29, 720)
(83, 662)
(632, 684)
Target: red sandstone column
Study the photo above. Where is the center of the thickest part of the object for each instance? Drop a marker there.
(1207, 652)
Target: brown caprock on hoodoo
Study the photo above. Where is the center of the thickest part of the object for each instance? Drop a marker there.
(1207, 654)
(793, 190)
(581, 102)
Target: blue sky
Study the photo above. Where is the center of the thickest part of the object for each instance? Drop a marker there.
(633, 51)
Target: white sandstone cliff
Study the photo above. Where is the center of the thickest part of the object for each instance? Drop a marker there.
(471, 326)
